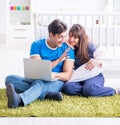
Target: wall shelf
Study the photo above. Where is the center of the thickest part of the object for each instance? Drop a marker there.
(20, 27)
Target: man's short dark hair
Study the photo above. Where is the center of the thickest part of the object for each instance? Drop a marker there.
(57, 27)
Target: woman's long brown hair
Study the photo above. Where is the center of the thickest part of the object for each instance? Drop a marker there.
(77, 31)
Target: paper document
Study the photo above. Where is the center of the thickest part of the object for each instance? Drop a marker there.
(82, 74)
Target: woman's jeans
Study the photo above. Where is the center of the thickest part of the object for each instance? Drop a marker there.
(30, 90)
(90, 87)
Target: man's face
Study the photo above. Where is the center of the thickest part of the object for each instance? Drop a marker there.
(58, 39)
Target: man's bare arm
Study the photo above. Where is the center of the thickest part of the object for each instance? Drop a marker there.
(62, 58)
(67, 71)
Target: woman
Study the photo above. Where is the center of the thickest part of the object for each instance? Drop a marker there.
(84, 52)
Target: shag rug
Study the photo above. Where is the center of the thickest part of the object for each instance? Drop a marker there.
(71, 106)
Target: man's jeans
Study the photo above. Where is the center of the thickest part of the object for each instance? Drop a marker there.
(30, 90)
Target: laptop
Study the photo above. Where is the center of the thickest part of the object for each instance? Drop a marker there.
(37, 69)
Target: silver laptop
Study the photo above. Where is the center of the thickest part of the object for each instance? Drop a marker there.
(37, 69)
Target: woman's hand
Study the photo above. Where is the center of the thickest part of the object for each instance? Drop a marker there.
(92, 63)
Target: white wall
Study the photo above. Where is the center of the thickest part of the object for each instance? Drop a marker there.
(2, 17)
(54, 5)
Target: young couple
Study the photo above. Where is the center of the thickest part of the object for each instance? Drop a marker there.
(78, 50)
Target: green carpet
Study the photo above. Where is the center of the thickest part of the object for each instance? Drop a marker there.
(71, 106)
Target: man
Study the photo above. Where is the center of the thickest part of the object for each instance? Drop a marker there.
(21, 91)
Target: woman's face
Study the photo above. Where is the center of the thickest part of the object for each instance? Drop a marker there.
(73, 40)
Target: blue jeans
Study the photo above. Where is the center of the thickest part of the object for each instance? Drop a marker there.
(90, 87)
(30, 90)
